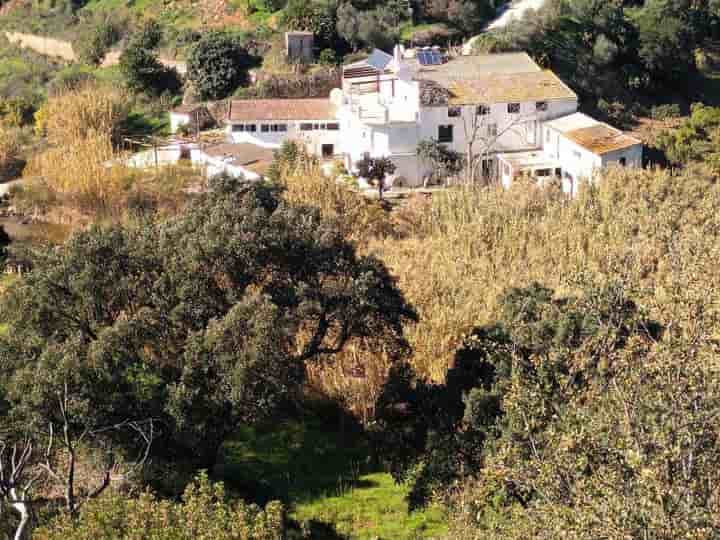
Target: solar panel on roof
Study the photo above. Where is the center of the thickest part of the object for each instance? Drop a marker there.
(379, 59)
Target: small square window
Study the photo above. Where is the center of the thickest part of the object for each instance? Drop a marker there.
(492, 130)
(306, 127)
(445, 134)
(454, 112)
(623, 161)
(238, 127)
(333, 126)
(265, 128)
(513, 108)
(282, 127)
(251, 127)
(483, 110)
(541, 106)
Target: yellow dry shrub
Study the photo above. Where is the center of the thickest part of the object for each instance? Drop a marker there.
(86, 171)
(655, 231)
(80, 113)
(358, 217)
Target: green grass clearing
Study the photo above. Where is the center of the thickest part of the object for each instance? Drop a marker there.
(324, 475)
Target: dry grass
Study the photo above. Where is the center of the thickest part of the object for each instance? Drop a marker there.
(656, 232)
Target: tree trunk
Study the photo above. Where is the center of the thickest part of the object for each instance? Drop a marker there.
(24, 511)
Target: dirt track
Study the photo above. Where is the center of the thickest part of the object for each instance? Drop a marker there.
(63, 49)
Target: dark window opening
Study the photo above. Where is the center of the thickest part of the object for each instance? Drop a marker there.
(454, 112)
(250, 127)
(513, 108)
(623, 162)
(238, 127)
(333, 126)
(483, 110)
(265, 128)
(445, 134)
(328, 150)
(306, 127)
(541, 106)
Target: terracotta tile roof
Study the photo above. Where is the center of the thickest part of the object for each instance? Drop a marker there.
(248, 110)
(509, 88)
(244, 155)
(601, 139)
(593, 135)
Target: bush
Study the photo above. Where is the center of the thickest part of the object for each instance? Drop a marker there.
(204, 512)
(665, 112)
(217, 65)
(93, 42)
(328, 57)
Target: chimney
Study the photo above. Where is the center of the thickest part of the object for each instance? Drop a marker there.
(397, 56)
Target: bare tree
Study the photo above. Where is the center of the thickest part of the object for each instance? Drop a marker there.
(35, 468)
(18, 476)
(482, 136)
(61, 459)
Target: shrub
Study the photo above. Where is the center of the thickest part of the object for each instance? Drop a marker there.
(93, 43)
(665, 112)
(217, 65)
(328, 57)
(204, 512)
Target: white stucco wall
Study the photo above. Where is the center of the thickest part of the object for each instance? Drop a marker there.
(521, 131)
(177, 120)
(313, 139)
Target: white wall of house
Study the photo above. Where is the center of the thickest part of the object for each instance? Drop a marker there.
(515, 131)
(216, 165)
(633, 157)
(177, 120)
(273, 137)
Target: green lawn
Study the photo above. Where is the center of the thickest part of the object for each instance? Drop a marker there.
(325, 477)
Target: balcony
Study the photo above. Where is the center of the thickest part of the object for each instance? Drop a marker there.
(378, 109)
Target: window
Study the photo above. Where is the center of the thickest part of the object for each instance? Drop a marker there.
(445, 134)
(506, 169)
(454, 112)
(623, 161)
(278, 127)
(243, 127)
(541, 173)
(513, 108)
(328, 150)
(333, 126)
(541, 106)
(492, 130)
(306, 127)
(265, 128)
(577, 154)
(483, 110)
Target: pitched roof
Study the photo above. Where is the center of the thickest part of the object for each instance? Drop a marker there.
(597, 137)
(246, 155)
(493, 78)
(247, 110)
(462, 68)
(509, 88)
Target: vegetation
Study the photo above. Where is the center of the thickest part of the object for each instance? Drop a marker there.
(204, 512)
(217, 65)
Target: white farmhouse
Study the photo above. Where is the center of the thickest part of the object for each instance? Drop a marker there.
(269, 122)
(511, 115)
